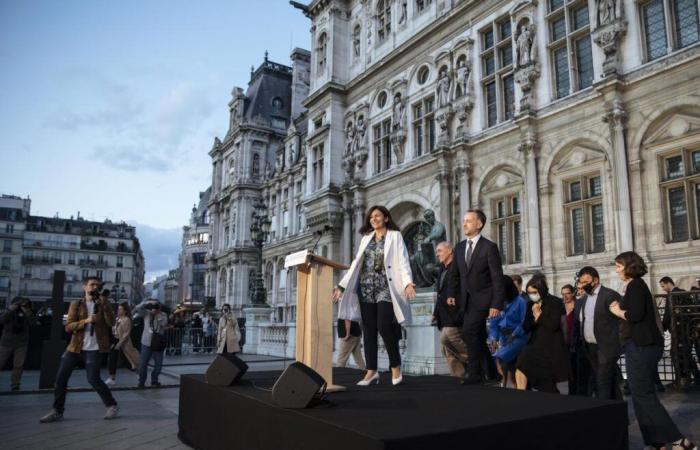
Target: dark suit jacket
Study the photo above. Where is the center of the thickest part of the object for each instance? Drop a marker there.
(640, 312)
(606, 325)
(446, 287)
(481, 285)
(677, 299)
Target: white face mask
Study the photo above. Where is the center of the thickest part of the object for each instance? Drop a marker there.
(535, 297)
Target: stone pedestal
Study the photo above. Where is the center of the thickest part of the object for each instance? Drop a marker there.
(421, 354)
(255, 316)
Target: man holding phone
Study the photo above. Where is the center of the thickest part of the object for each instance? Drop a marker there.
(90, 320)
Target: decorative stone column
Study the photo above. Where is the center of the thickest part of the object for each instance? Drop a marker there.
(463, 192)
(359, 209)
(615, 117)
(529, 149)
(443, 178)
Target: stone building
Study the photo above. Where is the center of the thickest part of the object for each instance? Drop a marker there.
(192, 270)
(13, 215)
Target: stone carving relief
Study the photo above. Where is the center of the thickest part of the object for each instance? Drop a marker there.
(609, 27)
(527, 70)
(398, 127)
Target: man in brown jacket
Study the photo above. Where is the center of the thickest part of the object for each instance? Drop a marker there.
(90, 320)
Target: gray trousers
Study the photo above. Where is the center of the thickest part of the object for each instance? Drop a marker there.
(347, 347)
(20, 353)
(454, 349)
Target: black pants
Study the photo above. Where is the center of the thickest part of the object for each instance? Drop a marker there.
(654, 422)
(380, 317)
(605, 373)
(69, 360)
(474, 334)
(585, 382)
(114, 360)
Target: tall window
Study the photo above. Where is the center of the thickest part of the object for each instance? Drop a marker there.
(382, 146)
(584, 210)
(424, 126)
(681, 188)
(422, 5)
(383, 19)
(120, 261)
(318, 166)
(497, 71)
(321, 52)
(7, 246)
(506, 224)
(5, 263)
(570, 46)
(117, 277)
(681, 15)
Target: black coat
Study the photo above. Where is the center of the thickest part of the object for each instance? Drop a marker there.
(606, 325)
(480, 285)
(640, 314)
(447, 287)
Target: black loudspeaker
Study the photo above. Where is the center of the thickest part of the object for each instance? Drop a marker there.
(225, 370)
(297, 386)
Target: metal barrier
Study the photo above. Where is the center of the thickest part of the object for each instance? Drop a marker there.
(680, 313)
(185, 341)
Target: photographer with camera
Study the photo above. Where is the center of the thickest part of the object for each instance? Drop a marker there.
(153, 340)
(15, 336)
(89, 321)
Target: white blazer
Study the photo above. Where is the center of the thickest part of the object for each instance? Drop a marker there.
(398, 272)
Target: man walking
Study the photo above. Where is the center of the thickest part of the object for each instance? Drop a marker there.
(15, 337)
(90, 320)
(480, 289)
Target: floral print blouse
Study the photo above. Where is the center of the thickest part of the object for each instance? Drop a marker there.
(374, 286)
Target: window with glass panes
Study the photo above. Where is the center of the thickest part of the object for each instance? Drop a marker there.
(668, 25)
(681, 190)
(584, 212)
(317, 153)
(506, 225)
(422, 5)
(497, 71)
(571, 55)
(423, 126)
(382, 146)
(383, 19)
(322, 52)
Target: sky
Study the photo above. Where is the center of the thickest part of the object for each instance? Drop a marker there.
(109, 108)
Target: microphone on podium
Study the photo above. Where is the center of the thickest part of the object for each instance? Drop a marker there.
(320, 234)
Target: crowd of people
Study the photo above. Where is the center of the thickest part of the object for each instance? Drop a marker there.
(492, 329)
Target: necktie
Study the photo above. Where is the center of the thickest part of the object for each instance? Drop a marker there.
(469, 251)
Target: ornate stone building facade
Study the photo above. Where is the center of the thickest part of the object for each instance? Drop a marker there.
(192, 269)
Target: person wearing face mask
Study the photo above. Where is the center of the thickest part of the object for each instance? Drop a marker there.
(599, 332)
(229, 334)
(544, 361)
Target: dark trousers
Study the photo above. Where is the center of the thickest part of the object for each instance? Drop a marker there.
(585, 382)
(474, 334)
(114, 360)
(654, 422)
(19, 354)
(605, 372)
(145, 357)
(379, 317)
(69, 360)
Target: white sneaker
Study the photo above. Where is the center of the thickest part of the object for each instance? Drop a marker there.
(110, 381)
(112, 412)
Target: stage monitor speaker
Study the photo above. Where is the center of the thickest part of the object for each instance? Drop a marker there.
(225, 370)
(297, 386)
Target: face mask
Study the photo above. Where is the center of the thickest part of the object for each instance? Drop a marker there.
(535, 297)
(588, 288)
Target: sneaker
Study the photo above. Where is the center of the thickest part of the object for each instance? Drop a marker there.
(112, 412)
(53, 416)
(110, 381)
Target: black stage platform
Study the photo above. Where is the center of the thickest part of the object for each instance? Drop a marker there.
(428, 412)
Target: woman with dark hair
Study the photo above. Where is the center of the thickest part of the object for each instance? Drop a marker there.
(229, 334)
(545, 360)
(122, 348)
(643, 346)
(506, 334)
(377, 288)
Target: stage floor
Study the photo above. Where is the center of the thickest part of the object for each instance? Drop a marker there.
(427, 412)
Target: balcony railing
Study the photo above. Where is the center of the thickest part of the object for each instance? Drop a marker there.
(50, 244)
(93, 263)
(103, 247)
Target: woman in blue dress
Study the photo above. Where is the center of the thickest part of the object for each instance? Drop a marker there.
(506, 335)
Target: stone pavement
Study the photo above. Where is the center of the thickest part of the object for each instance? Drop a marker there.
(148, 417)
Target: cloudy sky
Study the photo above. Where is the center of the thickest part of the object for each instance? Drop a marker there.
(110, 107)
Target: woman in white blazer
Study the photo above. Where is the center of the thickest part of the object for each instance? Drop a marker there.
(376, 289)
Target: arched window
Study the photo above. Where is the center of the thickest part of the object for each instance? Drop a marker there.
(321, 50)
(383, 19)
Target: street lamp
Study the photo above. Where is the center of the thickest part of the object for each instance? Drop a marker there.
(259, 230)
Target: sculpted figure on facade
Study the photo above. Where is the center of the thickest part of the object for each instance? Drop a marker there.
(398, 115)
(356, 40)
(443, 89)
(464, 78)
(606, 11)
(358, 143)
(404, 11)
(349, 138)
(525, 45)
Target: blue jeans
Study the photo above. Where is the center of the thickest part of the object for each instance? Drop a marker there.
(69, 360)
(656, 425)
(145, 357)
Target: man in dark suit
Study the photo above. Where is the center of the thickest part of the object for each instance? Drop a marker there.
(599, 332)
(681, 342)
(480, 289)
(447, 315)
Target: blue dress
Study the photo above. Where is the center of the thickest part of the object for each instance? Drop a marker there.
(507, 330)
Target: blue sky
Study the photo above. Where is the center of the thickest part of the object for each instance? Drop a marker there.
(110, 107)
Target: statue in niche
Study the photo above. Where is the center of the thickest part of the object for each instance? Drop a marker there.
(256, 165)
(525, 45)
(606, 11)
(268, 171)
(356, 41)
(464, 76)
(398, 114)
(404, 11)
(349, 138)
(358, 142)
(443, 89)
(292, 155)
(421, 247)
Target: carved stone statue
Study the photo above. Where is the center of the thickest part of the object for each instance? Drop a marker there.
(292, 155)
(356, 41)
(398, 114)
(349, 138)
(525, 45)
(268, 170)
(464, 77)
(422, 245)
(404, 11)
(606, 11)
(358, 143)
(443, 89)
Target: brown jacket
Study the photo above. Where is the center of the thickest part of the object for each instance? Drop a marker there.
(75, 324)
(122, 332)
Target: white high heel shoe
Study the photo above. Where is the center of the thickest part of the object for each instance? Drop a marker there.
(369, 381)
(397, 381)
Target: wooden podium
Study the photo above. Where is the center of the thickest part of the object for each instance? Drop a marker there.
(314, 334)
